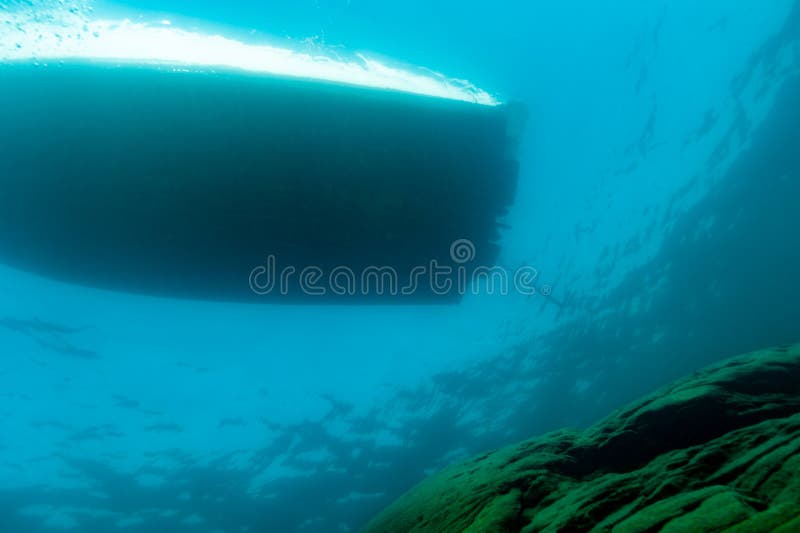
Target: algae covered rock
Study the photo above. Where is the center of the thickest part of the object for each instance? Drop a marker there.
(717, 451)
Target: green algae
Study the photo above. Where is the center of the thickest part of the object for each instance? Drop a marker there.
(716, 451)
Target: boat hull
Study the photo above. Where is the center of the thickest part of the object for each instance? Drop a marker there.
(183, 183)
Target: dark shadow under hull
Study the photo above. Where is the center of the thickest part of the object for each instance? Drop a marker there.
(180, 183)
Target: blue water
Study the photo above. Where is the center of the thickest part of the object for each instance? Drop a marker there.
(657, 199)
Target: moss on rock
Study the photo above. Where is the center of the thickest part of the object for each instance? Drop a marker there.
(717, 451)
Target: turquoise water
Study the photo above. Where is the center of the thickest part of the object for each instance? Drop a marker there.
(656, 200)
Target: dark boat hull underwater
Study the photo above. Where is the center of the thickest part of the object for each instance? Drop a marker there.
(232, 186)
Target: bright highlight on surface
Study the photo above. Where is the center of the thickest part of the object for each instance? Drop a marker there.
(55, 35)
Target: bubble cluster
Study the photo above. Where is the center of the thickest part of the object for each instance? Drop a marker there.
(59, 30)
(27, 27)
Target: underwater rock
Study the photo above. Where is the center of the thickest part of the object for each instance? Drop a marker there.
(716, 451)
